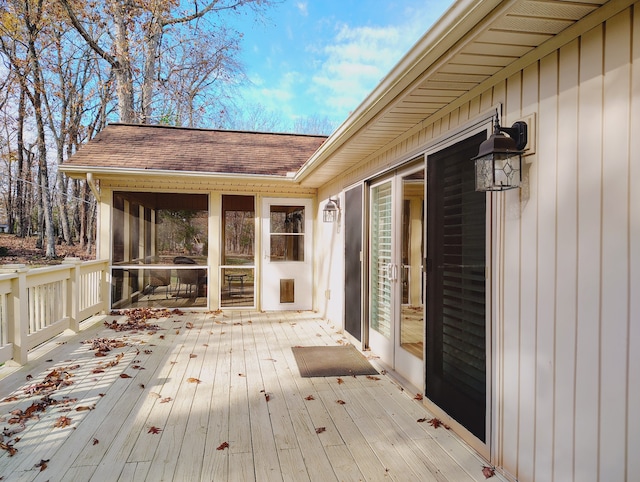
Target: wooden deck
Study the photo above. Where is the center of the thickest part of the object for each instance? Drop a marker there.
(214, 397)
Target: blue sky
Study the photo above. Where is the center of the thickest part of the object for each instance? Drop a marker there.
(322, 57)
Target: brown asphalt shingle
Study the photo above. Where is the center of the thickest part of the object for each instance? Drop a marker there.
(181, 149)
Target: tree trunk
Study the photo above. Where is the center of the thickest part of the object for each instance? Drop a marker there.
(122, 70)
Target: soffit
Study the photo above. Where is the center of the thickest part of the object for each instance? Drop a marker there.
(450, 62)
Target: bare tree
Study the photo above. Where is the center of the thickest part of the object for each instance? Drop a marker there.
(139, 27)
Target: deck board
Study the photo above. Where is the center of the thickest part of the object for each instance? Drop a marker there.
(301, 432)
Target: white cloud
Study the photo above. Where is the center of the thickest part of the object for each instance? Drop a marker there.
(357, 59)
(303, 7)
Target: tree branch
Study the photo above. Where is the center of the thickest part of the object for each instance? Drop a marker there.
(85, 35)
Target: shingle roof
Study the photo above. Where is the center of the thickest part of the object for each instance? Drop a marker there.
(127, 146)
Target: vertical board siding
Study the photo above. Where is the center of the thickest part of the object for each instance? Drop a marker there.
(587, 377)
(567, 265)
(569, 333)
(615, 248)
(633, 378)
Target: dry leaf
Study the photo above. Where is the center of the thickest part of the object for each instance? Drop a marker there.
(62, 422)
(418, 396)
(42, 464)
(436, 422)
(193, 355)
(96, 441)
(223, 446)
(189, 325)
(421, 420)
(124, 375)
(320, 429)
(340, 381)
(166, 399)
(83, 408)
(193, 380)
(309, 397)
(154, 430)
(371, 377)
(488, 472)
(11, 450)
(341, 402)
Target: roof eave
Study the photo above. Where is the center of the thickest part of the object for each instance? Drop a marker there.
(80, 172)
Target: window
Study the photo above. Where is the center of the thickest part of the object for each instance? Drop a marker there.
(287, 233)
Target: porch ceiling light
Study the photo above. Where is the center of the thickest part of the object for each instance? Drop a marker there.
(499, 160)
(331, 211)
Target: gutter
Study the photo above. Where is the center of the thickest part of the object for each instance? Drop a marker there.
(90, 172)
(92, 185)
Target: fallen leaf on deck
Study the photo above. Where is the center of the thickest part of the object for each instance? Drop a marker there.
(436, 422)
(42, 464)
(418, 396)
(154, 430)
(189, 325)
(148, 352)
(421, 420)
(193, 380)
(488, 472)
(341, 402)
(320, 429)
(223, 446)
(11, 450)
(193, 355)
(309, 397)
(29, 377)
(124, 375)
(371, 377)
(166, 399)
(62, 422)
(84, 408)
(162, 337)
(340, 381)
(96, 441)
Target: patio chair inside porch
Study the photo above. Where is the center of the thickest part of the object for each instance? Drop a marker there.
(190, 278)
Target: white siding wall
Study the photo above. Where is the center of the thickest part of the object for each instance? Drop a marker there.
(566, 261)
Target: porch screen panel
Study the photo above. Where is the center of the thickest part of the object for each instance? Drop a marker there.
(381, 258)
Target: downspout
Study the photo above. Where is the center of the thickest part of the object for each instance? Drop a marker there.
(92, 186)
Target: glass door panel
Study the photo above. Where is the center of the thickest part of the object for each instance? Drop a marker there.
(381, 260)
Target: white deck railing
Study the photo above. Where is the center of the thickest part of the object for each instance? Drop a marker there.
(40, 303)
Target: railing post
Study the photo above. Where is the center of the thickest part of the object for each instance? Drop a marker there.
(105, 288)
(73, 293)
(18, 312)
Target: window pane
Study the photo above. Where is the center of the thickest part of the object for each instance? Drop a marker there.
(287, 247)
(287, 219)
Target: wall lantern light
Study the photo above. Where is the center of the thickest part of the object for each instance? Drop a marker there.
(499, 159)
(331, 211)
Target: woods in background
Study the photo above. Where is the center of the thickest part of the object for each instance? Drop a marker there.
(71, 66)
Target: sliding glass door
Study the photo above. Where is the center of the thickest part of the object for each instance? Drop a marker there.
(396, 308)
